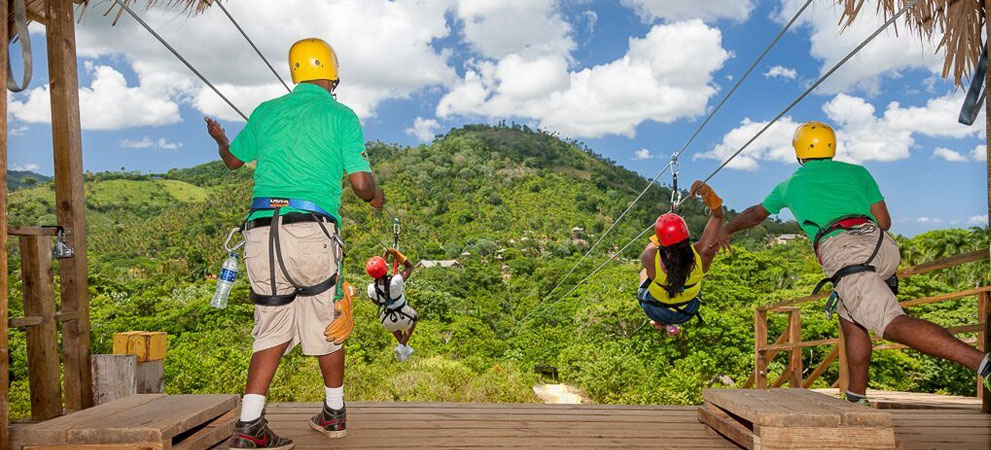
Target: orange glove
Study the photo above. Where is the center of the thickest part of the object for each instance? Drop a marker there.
(709, 197)
(339, 330)
(399, 256)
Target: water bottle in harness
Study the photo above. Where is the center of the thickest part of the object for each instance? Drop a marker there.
(847, 223)
(313, 213)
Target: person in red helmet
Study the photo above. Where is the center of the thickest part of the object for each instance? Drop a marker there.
(388, 293)
(673, 267)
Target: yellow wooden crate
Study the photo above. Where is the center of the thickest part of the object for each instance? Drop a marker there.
(146, 345)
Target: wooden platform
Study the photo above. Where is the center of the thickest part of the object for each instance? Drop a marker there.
(914, 400)
(138, 422)
(474, 425)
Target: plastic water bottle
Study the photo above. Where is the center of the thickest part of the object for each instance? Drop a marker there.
(225, 282)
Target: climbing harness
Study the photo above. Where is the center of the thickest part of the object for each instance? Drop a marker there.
(678, 307)
(847, 224)
(21, 28)
(975, 94)
(676, 197)
(313, 214)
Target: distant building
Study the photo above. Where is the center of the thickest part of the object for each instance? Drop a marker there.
(784, 238)
(577, 238)
(447, 263)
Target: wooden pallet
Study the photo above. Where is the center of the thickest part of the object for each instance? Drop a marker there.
(138, 422)
(758, 419)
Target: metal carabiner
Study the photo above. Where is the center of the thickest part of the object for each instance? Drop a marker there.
(227, 243)
(676, 197)
(395, 231)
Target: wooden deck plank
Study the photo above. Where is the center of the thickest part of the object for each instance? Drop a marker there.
(772, 407)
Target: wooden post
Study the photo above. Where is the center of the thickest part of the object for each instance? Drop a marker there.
(760, 341)
(843, 382)
(795, 338)
(42, 339)
(984, 343)
(69, 202)
(987, 116)
(4, 311)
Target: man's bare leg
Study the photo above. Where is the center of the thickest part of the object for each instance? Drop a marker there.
(332, 367)
(858, 355)
(933, 340)
(264, 363)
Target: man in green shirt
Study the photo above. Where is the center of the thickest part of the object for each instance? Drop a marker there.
(841, 209)
(304, 143)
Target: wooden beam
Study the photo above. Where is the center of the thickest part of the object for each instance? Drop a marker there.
(4, 285)
(42, 341)
(24, 322)
(821, 367)
(944, 297)
(984, 343)
(69, 201)
(31, 231)
(768, 356)
(760, 341)
(795, 337)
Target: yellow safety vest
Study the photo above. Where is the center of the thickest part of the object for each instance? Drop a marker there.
(693, 285)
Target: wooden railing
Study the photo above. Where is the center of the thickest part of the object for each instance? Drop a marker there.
(790, 341)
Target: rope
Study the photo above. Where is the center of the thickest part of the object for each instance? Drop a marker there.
(687, 143)
(177, 55)
(252, 44)
(821, 79)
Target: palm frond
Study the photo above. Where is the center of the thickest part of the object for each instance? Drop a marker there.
(190, 7)
(959, 22)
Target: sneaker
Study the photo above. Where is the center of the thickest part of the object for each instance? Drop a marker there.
(672, 330)
(409, 351)
(331, 422)
(987, 381)
(256, 434)
(399, 351)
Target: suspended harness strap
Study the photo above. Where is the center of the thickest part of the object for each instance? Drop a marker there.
(679, 307)
(21, 28)
(847, 223)
(975, 95)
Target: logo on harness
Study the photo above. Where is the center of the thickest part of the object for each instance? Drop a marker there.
(278, 202)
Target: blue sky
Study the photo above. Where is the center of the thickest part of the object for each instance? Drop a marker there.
(632, 79)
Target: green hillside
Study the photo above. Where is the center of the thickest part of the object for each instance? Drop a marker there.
(504, 200)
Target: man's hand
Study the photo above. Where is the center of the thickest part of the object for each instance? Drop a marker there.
(217, 132)
(399, 256)
(724, 241)
(378, 201)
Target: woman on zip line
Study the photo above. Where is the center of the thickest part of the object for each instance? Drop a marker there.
(673, 267)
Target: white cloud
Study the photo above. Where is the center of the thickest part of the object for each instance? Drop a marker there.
(528, 27)
(147, 142)
(862, 134)
(384, 47)
(888, 55)
(664, 76)
(650, 10)
(949, 155)
(643, 154)
(981, 220)
(30, 167)
(781, 72)
(423, 130)
(979, 153)
(107, 104)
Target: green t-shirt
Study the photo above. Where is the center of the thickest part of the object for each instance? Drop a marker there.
(304, 143)
(822, 191)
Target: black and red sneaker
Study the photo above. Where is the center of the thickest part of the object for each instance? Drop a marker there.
(256, 434)
(331, 422)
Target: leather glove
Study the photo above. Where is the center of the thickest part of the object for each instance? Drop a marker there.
(399, 256)
(339, 330)
(709, 197)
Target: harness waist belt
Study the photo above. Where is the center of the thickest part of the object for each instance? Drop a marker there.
(286, 220)
(306, 291)
(277, 202)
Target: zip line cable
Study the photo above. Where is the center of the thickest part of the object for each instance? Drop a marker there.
(691, 139)
(250, 42)
(177, 55)
(804, 94)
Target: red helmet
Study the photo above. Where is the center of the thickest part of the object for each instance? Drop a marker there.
(670, 229)
(376, 267)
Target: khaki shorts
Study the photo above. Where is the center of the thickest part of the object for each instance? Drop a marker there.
(310, 257)
(865, 298)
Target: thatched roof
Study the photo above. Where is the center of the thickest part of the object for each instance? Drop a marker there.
(960, 22)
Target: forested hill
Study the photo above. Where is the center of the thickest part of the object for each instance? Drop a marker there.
(504, 202)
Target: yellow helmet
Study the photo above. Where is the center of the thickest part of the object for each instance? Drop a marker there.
(814, 140)
(312, 59)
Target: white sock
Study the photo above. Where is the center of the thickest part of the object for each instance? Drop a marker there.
(252, 406)
(985, 368)
(335, 397)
